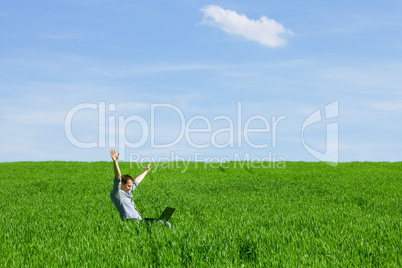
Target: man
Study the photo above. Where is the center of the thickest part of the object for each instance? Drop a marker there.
(123, 187)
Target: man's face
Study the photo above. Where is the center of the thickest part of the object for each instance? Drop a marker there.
(127, 187)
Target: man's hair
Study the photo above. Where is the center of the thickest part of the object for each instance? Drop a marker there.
(125, 178)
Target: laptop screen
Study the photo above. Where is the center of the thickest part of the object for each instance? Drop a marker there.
(167, 213)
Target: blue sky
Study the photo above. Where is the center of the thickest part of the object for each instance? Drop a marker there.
(167, 80)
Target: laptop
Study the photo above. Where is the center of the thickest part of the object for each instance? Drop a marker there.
(166, 214)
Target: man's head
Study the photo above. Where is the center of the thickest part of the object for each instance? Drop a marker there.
(126, 183)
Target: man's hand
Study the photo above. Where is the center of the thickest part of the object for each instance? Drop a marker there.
(149, 167)
(114, 156)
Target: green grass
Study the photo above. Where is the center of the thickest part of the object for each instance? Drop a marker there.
(231, 215)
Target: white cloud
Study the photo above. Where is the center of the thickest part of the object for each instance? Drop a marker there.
(264, 31)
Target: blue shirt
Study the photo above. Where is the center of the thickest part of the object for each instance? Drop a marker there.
(124, 201)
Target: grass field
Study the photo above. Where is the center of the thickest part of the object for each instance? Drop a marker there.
(230, 215)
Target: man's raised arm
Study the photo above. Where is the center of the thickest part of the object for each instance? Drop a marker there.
(142, 175)
(115, 158)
